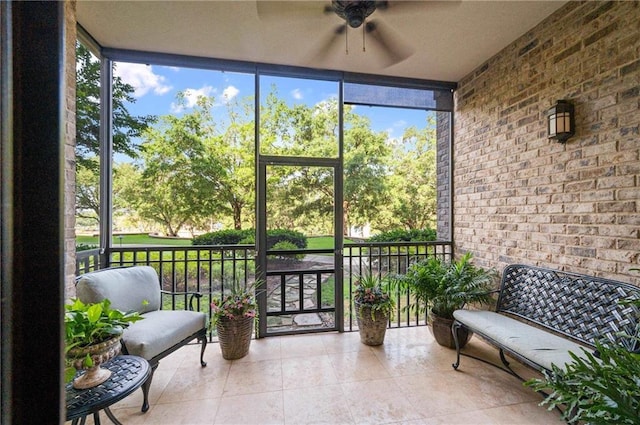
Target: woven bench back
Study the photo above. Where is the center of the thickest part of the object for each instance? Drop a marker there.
(581, 307)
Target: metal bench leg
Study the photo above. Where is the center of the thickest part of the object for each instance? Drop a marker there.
(503, 359)
(454, 329)
(203, 340)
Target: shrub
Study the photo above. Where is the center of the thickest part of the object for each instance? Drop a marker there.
(285, 245)
(247, 236)
(283, 235)
(249, 240)
(85, 247)
(401, 235)
(223, 237)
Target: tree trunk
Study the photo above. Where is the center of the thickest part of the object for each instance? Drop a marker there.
(345, 218)
(237, 216)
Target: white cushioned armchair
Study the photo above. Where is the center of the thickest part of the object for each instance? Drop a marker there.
(162, 331)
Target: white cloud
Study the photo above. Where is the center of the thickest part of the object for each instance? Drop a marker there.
(400, 124)
(229, 93)
(142, 78)
(191, 97)
(297, 94)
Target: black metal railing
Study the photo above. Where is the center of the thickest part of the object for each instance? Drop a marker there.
(388, 259)
(211, 270)
(87, 261)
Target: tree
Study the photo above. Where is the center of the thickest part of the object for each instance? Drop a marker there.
(234, 154)
(413, 180)
(88, 190)
(304, 196)
(366, 171)
(126, 127)
(178, 178)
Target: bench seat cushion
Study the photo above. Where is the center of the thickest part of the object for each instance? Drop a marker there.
(536, 345)
(161, 330)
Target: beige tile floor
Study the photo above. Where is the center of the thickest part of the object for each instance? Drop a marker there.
(332, 378)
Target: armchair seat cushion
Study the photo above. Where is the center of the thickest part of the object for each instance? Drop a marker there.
(161, 330)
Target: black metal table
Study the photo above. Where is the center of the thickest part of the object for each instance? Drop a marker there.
(128, 374)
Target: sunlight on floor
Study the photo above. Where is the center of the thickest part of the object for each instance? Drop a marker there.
(332, 378)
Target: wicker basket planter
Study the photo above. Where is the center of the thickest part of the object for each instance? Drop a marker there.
(234, 336)
(372, 330)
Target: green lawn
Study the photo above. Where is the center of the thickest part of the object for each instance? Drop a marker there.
(139, 239)
(321, 242)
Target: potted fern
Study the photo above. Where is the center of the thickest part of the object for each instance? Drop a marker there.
(440, 287)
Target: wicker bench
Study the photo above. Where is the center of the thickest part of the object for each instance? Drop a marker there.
(542, 314)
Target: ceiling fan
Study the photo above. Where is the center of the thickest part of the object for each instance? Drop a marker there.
(355, 14)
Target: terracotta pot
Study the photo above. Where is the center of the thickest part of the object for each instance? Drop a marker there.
(100, 353)
(372, 330)
(441, 330)
(234, 337)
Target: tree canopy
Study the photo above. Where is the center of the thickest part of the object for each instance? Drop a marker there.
(197, 168)
(126, 128)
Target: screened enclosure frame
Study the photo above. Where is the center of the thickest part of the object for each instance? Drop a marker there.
(355, 88)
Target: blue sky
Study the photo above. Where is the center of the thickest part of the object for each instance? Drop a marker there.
(156, 88)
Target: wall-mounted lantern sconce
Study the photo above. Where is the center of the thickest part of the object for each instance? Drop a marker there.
(560, 121)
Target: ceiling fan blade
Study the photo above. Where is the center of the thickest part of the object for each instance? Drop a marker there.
(382, 5)
(327, 45)
(410, 6)
(392, 46)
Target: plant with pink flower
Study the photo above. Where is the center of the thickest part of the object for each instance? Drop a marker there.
(239, 302)
(373, 291)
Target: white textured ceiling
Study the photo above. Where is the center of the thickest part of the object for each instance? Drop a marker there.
(449, 38)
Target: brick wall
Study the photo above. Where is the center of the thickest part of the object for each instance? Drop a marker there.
(519, 197)
(443, 208)
(69, 152)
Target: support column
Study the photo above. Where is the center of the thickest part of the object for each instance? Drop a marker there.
(32, 211)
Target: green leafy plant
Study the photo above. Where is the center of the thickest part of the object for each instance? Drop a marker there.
(234, 237)
(402, 235)
(239, 303)
(275, 236)
(223, 237)
(373, 292)
(88, 324)
(284, 246)
(85, 246)
(596, 389)
(443, 287)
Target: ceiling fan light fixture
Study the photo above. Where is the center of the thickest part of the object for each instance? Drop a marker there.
(354, 12)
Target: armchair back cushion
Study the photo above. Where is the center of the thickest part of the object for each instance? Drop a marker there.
(129, 289)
